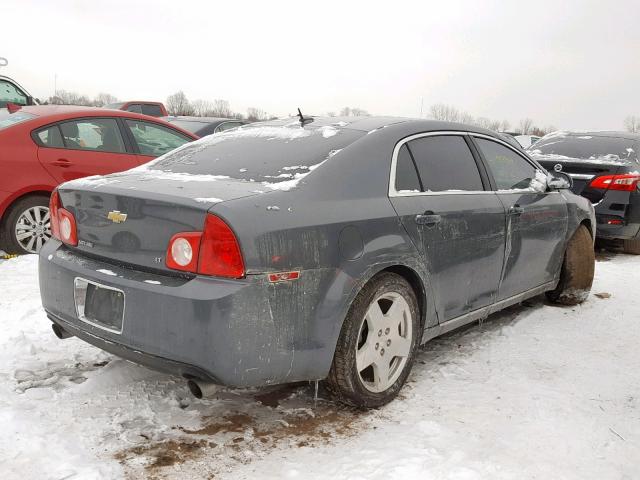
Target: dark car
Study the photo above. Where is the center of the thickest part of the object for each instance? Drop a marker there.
(43, 146)
(203, 126)
(153, 109)
(277, 253)
(605, 170)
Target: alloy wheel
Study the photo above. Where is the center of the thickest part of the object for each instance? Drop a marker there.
(33, 228)
(384, 342)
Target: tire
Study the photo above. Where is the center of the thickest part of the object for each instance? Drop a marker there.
(359, 379)
(632, 246)
(29, 216)
(577, 271)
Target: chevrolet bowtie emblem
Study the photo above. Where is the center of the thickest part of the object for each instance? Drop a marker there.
(116, 217)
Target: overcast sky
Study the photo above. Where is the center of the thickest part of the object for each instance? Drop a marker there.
(569, 63)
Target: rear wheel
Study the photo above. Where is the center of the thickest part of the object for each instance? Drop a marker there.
(632, 246)
(577, 271)
(377, 343)
(28, 226)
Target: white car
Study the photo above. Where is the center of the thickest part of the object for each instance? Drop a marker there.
(527, 140)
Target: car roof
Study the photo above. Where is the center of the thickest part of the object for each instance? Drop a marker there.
(597, 133)
(185, 118)
(55, 113)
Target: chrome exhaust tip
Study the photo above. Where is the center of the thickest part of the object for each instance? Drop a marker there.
(202, 389)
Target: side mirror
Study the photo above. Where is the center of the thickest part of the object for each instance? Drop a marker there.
(559, 181)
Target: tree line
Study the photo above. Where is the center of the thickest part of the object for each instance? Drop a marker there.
(448, 113)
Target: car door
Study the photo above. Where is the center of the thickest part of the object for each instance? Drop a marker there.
(82, 147)
(443, 197)
(536, 222)
(150, 140)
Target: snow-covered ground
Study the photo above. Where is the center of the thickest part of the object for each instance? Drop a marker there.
(537, 391)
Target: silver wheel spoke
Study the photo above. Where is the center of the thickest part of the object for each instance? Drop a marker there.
(33, 228)
(375, 317)
(24, 235)
(31, 243)
(381, 372)
(365, 356)
(400, 347)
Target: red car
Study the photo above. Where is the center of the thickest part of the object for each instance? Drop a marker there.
(43, 146)
(153, 109)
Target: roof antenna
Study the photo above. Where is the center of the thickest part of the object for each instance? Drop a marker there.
(304, 120)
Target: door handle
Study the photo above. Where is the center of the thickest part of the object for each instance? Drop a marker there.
(516, 210)
(61, 162)
(428, 218)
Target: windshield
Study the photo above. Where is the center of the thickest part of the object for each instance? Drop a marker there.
(268, 154)
(114, 106)
(586, 146)
(8, 119)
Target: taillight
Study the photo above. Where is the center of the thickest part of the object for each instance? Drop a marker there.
(54, 205)
(219, 250)
(214, 251)
(63, 223)
(627, 182)
(182, 253)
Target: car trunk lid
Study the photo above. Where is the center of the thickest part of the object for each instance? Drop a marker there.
(583, 172)
(129, 218)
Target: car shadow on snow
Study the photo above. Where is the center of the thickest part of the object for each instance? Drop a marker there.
(238, 426)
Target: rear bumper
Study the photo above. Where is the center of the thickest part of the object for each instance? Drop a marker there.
(618, 207)
(245, 332)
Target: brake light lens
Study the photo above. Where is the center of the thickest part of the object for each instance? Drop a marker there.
(63, 223)
(214, 251)
(220, 251)
(627, 182)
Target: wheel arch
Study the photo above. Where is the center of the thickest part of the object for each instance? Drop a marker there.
(11, 201)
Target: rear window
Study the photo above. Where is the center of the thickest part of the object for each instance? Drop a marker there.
(270, 154)
(8, 119)
(192, 127)
(587, 147)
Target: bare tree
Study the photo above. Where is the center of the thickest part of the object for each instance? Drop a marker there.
(201, 108)
(353, 112)
(465, 117)
(525, 126)
(505, 125)
(256, 114)
(221, 108)
(178, 104)
(63, 97)
(103, 99)
(331, 114)
(632, 124)
(446, 113)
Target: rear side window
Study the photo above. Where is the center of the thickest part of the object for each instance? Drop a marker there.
(406, 175)
(95, 134)
(50, 137)
(445, 163)
(152, 110)
(154, 140)
(135, 108)
(509, 169)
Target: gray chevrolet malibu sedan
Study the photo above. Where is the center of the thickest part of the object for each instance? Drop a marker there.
(320, 249)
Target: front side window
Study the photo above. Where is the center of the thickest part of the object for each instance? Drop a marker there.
(155, 140)
(50, 137)
(9, 93)
(509, 169)
(445, 163)
(96, 134)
